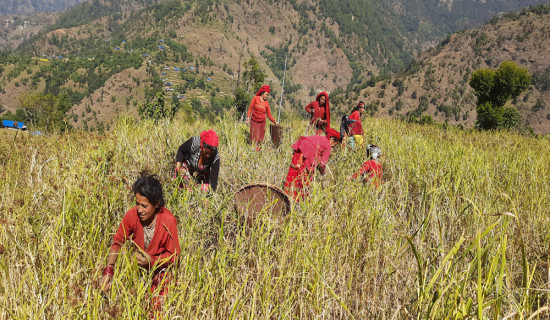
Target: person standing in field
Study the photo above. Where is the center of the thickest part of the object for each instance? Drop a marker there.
(355, 129)
(256, 116)
(152, 229)
(309, 153)
(320, 113)
(198, 159)
(371, 170)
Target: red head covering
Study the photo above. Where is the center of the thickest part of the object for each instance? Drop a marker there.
(361, 104)
(333, 133)
(209, 137)
(262, 89)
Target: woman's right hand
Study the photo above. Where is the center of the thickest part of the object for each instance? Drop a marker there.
(105, 283)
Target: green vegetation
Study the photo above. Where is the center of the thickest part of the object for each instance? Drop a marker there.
(459, 229)
(159, 108)
(493, 88)
(45, 112)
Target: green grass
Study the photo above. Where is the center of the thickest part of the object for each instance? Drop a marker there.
(458, 230)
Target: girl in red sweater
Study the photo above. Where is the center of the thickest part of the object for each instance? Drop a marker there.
(371, 170)
(259, 108)
(154, 234)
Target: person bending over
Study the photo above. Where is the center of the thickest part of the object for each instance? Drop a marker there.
(152, 229)
(309, 153)
(198, 160)
(371, 170)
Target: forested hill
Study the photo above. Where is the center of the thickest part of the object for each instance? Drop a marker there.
(436, 84)
(109, 56)
(30, 6)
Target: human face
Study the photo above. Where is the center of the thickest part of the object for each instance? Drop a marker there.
(264, 95)
(322, 100)
(146, 210)
(333, 142)
(208, 152)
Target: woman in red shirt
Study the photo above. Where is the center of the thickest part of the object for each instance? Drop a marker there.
(153, 231)
(320, 113)
(371, 170)
(259, 108)
(355, 130)
(309, 153)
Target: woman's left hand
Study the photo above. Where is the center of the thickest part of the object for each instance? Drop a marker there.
(143, 259)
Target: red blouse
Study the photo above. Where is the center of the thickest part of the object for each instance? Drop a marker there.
(259, 109)
(164, 247)
(356, 128)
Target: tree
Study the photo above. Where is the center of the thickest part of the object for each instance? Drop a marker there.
(241, 100)
(154, 109)
(253, 74)
(45, 111)
(493, 88)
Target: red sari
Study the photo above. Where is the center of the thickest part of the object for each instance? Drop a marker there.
(320, 115)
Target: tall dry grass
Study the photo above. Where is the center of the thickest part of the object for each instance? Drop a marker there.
(459, 229)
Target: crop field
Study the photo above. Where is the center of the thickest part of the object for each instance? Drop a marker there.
(459, 229)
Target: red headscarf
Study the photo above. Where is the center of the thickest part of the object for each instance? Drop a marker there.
(333, 133)
(209, 137)
(262, 89)
(327, 107)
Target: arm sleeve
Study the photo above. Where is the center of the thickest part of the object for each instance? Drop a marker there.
(125, 230)
(184, 150)
(354, 116)
(251, 107)
(268, 111)
(358, 172)
(309, 107)
(172, 245)
(214, 172)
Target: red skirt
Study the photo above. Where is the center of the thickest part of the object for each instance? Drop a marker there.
(257, 131)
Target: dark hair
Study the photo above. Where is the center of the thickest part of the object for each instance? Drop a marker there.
(149, 187)
(360, 105)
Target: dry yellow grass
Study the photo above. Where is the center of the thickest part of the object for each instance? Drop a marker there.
(458, 230)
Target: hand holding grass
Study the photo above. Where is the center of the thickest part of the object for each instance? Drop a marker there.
(143, 259)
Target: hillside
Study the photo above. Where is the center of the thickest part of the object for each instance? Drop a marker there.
(459, 229)
(332, 46)
(436, 83)
(22, 7)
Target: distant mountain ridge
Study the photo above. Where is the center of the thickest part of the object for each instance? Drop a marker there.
(337, 46)
(22, 7)
(436, 84)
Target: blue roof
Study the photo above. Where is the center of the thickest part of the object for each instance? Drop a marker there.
(160, 40)
(161, 47)
(117, 48)
(176, 69)
(13, 124)
(123, 41)
(208, 79)
(168, 83)
(192, 68)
